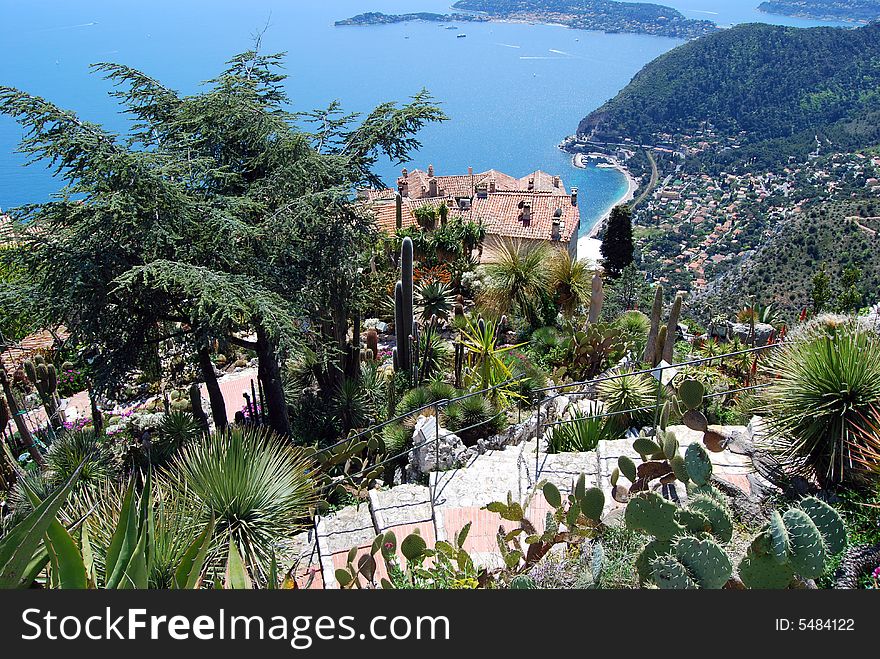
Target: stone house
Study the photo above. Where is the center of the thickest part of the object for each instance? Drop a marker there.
(534, 208)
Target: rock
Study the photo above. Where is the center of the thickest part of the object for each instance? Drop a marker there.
(146, 421)
(376, 324)
(560, 405)
(763, 332)
(433, 456)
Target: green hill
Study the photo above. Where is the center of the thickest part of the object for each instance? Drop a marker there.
(776, 89)
(834, 235)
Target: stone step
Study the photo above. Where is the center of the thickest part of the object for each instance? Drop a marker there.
(339, 532)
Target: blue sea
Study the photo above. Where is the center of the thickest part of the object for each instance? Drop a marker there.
(513, 91)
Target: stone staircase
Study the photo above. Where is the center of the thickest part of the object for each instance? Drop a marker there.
(461, 494)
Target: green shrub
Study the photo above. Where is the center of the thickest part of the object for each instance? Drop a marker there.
(255, 484)
(582, 435)
(630, 391)
(824, 386)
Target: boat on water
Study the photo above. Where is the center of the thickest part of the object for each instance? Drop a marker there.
(460, 36)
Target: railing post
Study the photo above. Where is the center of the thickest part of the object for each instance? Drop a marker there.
(538, 440)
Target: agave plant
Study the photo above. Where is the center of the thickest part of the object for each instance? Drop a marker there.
(434, 299)
(487, 362)
(582, 435)
(255, 485)
(824, 387)
(350, 405)
(473, 418)
(627, 392)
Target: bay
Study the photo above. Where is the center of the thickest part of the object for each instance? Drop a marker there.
(513, 91)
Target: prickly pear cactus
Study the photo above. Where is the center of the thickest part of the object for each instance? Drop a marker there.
(668, 573)
(807, 545)
(705, 561)
(651, 513)
(829, 523)
(698, 464)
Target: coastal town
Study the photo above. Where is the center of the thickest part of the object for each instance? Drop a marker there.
(692, 226)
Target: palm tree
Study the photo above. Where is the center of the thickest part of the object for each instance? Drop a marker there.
(570, 280)
(518, 279)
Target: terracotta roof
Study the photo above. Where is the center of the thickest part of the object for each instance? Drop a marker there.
(28, 346)
(501, 211)
(502, 214)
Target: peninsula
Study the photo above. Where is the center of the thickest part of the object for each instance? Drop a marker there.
(598, 15)
(857, 11)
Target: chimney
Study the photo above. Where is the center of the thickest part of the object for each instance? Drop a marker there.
(574, 196)
(556, 181)
(531, 184)
(470, 171)
(556, 231)
(404, 172)
(492, 185)
(430, 170)
(433, 190)
(527, 213)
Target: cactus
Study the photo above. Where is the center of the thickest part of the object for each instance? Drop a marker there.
(698, 464)
(195, 398)
(656, 312)
(5, 417)
(705, 561)
(404, 321)
(672, 328)
(801, 542)
(459, 361)
(669, 573)
(649, 512)
(398, 211)
(372, 342)
(597, 299)
(659, 343)
(690, 393)
(15, 412)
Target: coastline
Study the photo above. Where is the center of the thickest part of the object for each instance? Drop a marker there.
(589, 246)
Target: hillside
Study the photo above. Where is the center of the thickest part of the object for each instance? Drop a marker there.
(773, 89)
(830, 10)
(836, 235)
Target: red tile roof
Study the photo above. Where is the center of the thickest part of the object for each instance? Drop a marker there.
(500, 211)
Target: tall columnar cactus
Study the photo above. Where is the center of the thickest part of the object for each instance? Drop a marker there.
(44, 377)
(15, 412)
(398, 211)
(195, 399)
(404, 321)
(459, 361)
(597, 299)
(372, 342)
(656, 312)
(672, 328)
(658, 345)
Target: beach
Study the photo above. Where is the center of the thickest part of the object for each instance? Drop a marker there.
(589, 246)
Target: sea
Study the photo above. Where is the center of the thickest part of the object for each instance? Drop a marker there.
(512, 91)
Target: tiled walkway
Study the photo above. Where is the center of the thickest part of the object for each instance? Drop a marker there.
(460, 497)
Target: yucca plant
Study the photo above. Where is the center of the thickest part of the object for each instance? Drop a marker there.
(435, 354)
(177, 429)
(570, 280)
(256, 486)
(582, 435)
(350, 405)
(824, 387)
(630, 391)
(518, 279)
(72, 449)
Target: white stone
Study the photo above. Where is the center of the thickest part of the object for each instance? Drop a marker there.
(432, 454)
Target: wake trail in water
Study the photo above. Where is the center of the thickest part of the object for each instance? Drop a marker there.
(65, 27)
(507, 45)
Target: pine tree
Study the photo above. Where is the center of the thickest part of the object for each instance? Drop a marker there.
(218, 218)
(617, 245)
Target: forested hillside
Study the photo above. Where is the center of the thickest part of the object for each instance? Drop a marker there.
(836, 237)
(776, 89)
